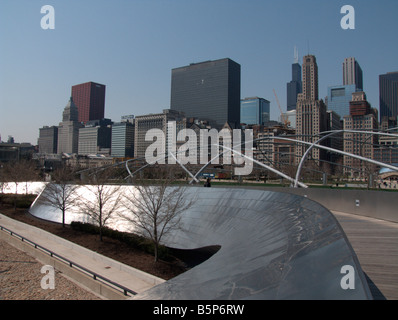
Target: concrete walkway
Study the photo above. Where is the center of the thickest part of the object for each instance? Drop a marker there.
(376, 244)
(113, 270)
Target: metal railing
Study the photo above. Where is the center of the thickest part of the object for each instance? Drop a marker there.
(72, 264)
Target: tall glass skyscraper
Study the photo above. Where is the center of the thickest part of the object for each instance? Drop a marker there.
(294, 87)
(208, 90)
(339, 98)
(254, 111)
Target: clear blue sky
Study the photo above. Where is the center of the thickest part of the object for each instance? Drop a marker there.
(132, 45)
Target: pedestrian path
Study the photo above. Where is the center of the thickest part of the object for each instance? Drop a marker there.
(126, 276)
(375, 243)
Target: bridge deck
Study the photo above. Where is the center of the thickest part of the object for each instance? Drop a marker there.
(376, 245)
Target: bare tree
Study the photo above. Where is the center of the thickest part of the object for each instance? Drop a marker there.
(155, 210)
(60, 193)
(102, 201)
(18, 172)
(2, 178)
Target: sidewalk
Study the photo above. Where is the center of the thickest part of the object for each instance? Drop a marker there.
(113, 270)
(375, 243)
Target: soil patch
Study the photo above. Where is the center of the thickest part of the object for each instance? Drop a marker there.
(109, 247)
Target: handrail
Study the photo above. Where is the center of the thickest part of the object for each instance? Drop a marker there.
(72, 264)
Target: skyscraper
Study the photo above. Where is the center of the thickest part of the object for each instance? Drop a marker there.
(89, 98)
(95, 137)
(361, 117)
(143, 123)
(254, 111)
(388, 92)
(123, 138)
(294, 87)
(339, 98)
(310, 78)
(68, 130)
(208, 90)
(311, 115)
(48, 139)
(352, 73)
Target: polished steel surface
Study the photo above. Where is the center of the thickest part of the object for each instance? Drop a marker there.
(273, 246)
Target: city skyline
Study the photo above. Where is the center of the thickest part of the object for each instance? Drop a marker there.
(131, 47)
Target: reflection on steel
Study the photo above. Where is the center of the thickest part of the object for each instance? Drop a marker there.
(29, 187)
(273, 246)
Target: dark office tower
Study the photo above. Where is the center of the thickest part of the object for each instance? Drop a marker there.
(294, 87)
(388, 91)
(89, 98)
(48, 140)
(352, 73)
(208, 90)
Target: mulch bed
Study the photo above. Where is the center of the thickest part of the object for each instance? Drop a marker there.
(108, 247)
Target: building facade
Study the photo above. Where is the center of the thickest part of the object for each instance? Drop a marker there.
(388, 92)
(208, 90)
(275, 152)
(89, 98)
(95, 138)
(336, 141)
(311, 116)
(68, 129)
(48, 140)
(294, 87)
(160, 121)
(361, 117)
(123, 139)
(254, 111)
(310, 78)
(339, 98)
(352, 74)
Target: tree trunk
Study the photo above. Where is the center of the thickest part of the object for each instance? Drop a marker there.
(63, 218)
(156, 251)
(100, 231)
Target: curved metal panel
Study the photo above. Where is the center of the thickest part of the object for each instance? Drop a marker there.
(273, 246)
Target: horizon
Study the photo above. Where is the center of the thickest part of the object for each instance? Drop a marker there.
(131, 48)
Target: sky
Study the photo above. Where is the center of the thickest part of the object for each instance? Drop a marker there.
(131, 46)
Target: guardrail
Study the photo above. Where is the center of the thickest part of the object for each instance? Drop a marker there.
(72, 264)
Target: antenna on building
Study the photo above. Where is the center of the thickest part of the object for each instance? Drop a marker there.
(296, 58)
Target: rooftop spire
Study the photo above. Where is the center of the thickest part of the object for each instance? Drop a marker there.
(296, 57)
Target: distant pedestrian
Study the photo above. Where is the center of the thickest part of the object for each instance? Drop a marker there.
(207, 183)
